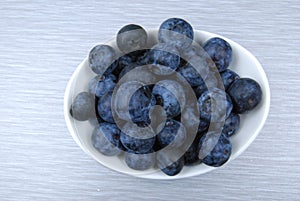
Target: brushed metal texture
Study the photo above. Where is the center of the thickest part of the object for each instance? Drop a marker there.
(41, 43)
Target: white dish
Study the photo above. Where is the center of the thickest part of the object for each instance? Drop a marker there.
(244, 63)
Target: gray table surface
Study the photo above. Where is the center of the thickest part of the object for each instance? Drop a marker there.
(42, 43)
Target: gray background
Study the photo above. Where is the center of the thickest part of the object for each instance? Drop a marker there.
(40, 46)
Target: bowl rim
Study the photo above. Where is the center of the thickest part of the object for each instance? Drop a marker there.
(266, 108)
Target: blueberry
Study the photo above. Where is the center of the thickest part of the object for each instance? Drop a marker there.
(100, 85)
(203, 125)
(165, 59)
(214, 149)
(140, 104)
(137, 139)
(140, 74)
(103, 59)
(191, 155)
(174, 168)
(83, 106)
(191, 75)
(106, 139)
(169, 94)
(231, 125)
(210, 106)
(131, 37)
(104, 107)
(220, 52)
(176, 31)
(197, 64)
(140, 161)
(228, 77)
(123, 61)
(171, 133)
(199, 90)
(246, 94)
(126, 69)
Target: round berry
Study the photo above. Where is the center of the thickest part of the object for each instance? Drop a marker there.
(104, 107)
(176, 31)
(139, 161)
(83, 106)
(100, 85)
(103, 59)
(228, 77)
(245, 94)
(214, 149)
(220, 52)
(232, 124)
(106, 139)
(131, 37)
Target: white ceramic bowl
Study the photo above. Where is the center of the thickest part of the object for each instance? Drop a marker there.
(244, 63)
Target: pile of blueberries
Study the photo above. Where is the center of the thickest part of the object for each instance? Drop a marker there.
(127, 125)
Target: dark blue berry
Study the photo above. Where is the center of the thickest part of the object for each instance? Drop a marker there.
(176, 31)
(191, 75)
(231, 125)
(169, 94)
(211, 108)
(103, 59)
(174, 168)
(106, 139)
(199, 90)
(245, 94)
(228, 77)
(83, 106)
(140, 161)
(214, 149)
(100, 85)
(171, 133)
(203, 125)
(165, 58)
(140, 104)
(104, 108)
(191, 155)
(131, 37)
(137, 139)
(220, 52)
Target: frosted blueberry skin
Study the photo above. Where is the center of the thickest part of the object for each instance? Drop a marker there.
(173, 133)
(220, 52)
(106, 139)
(140, 104)
(191, 75)
(100, 85)
(83, 106)
(176, 31)
(232, 124)
(104, 107)
(170, 95)
(219, 153)
(164, 57)
(207, 103)
(174, 168)
(191, 157)
(167, 100)
(139, 161)
(103, 59)
(245, 94)
(131, 37)
(228, 77)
